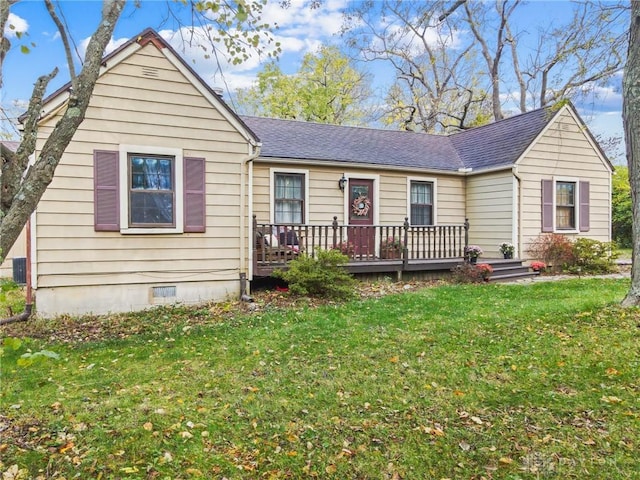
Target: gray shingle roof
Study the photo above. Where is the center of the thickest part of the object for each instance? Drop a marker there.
(497, 144)
(500, 143)
(322, 142)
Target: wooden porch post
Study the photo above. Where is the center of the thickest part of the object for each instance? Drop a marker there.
(254, 236)
(466, 235)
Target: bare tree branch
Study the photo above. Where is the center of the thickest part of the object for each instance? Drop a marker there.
(65, 39)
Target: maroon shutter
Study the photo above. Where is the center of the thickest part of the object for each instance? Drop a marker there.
(547, 205)
(106, 217)
(584, 206)
(194, 195)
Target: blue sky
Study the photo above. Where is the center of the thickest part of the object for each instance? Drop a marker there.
(301, 30)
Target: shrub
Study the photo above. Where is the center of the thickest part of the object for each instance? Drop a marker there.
(538, 266)
(469, 273)
(593, 257)
(323, 276)
(554, 249)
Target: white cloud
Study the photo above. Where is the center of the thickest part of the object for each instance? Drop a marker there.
(111, 46)
(14, 26)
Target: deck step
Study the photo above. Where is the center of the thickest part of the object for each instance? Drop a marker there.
(509, 270)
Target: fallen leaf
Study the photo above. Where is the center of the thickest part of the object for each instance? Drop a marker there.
(148, 426)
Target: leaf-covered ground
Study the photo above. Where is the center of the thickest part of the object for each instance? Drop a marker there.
(489, 381)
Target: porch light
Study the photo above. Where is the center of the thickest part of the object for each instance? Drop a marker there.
(342, 182)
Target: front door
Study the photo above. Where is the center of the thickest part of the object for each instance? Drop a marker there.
(361, 232)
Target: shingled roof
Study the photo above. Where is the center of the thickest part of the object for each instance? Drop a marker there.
(497, 144)
(321, 142)
(500, 143)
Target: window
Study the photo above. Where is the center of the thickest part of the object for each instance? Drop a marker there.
(146, 190)
(421, 203)
(289, 195)
(565, 205)
(151, 191)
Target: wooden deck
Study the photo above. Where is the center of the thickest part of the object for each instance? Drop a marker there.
(371, 249)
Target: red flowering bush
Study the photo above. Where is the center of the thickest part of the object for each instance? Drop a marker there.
(537, 266)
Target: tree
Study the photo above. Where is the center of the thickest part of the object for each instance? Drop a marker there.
(435, 86)
(631, 123)
(236, 25)
(621, 212)
(21, 185)
(484, 55)
(567, 60)
(328, 88)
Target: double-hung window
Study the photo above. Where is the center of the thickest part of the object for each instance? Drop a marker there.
(421, 202)
(289, 198)
(149, 190)
(565, 205)
(152, 190)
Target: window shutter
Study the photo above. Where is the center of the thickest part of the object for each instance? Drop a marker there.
(584, 206)
(547, 205)
(106, 194)
(194, 195)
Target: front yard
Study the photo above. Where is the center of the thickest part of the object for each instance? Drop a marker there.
(489, 381)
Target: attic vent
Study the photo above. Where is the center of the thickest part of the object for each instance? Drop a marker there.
(150, 72)
(164, 292)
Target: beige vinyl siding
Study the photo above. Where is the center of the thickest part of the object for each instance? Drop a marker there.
(19, 250)
(564, 150)
(326, 200)
(129, 109)
(490, 207)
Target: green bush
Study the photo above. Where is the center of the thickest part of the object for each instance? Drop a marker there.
(321, 276)
(621, 210)
(593, 257)
(554, 249)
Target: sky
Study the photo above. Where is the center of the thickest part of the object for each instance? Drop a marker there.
(300, 30)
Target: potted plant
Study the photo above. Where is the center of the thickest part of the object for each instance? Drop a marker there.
(346, 248)
(507, 249)
(391, 247)
(472, 252)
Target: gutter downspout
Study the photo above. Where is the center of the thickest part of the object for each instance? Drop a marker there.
(24, 316)
(254, 152)
(517, 209)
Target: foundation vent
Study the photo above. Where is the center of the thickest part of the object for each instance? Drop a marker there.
(163, 292)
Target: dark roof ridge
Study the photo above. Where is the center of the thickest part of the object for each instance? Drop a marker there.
(336, 125)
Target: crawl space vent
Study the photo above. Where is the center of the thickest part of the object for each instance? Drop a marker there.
(164, 292)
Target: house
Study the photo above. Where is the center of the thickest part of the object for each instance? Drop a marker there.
(166, 195)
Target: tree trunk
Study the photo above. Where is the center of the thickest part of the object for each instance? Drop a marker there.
(631, 117)
(25, 196)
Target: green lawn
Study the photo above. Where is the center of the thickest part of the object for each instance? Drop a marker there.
(522, 381)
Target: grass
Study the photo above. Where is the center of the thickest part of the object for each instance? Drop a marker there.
(479, 381)
(12, 298)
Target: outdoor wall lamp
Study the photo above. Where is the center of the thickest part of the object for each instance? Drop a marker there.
(342, 182)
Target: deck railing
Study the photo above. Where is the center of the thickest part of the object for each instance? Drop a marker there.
(276, 244)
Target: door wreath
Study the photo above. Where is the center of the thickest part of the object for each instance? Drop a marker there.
(361, 206)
